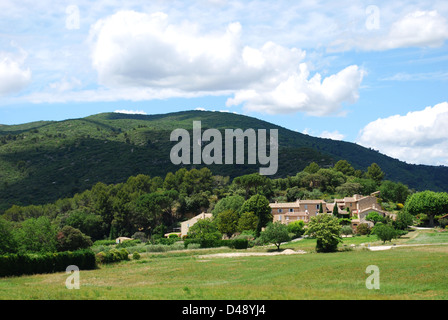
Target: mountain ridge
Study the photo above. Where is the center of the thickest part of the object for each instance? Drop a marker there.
(43, 161)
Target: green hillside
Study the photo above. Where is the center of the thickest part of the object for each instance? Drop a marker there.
(47, 160)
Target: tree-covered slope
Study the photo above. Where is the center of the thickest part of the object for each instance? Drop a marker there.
(43, 161)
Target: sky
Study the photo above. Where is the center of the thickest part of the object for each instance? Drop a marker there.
(372, 73)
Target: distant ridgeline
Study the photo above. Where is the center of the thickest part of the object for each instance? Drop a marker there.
(48, 160)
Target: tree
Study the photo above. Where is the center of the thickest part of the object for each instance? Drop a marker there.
(247, 221)
(345, 167)
(375, 173)
(71, 239)
(37, 235)
(375, 217)
(227, 222)
(336, 210)
(204, 229)
(313, 167)
(384, 232)
(326, 229)
(253, 183)
(403, 220)
(393, 191)
(275, 233)
(427, 202)
(259, 205)
(228, 203)
(8, 243)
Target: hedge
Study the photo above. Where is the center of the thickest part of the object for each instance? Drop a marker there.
(20, 264)
(113, 255)
(234, 244)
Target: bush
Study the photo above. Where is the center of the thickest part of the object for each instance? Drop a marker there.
(363, 229)
(240, 243)
(113, 255)
(19, 264)
(136, 256)
(346, 230)
(297, 228)
(128, 243)
(193, 246)
(104, 242)
(443, 223)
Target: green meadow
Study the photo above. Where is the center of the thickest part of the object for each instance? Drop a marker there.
(406, 272)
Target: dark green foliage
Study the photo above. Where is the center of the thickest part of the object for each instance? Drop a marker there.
(8, 243)
(375, 173)
(71, 239)
(259, 205)
(19, 264)
(44, 161)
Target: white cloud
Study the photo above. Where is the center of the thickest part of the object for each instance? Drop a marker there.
(131, 111)
(298, 93)
(419, 137)
(416, 29)
(13, 75)
(139, 50)
(334, 135)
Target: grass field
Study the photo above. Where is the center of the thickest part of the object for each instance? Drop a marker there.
(417, 272)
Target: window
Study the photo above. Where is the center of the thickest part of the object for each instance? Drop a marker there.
(287, 218)
(280, 210)
(317, 206)
(291, 210)
(306, 207)
(279, 218)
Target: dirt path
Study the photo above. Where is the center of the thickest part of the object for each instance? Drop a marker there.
(246, 254)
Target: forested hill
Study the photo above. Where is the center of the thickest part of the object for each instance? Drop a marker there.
(47, 160)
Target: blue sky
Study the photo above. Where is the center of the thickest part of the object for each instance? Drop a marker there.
(365, 72)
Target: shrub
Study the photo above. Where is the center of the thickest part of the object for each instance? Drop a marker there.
(128, 243)
(19, 264)
(346, 230)
(113, 255)
(104, 242)
(443, 223)
(136, 256)
(240, 243)
(140, 236)
(363, 229)
(193, 246)
(296, 228)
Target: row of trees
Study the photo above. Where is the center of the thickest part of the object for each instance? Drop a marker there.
(145, 204)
